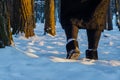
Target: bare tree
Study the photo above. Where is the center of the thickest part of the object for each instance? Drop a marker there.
(5, 31)
(109, 17)
(23, 15)
(117, 6)
(50, 17)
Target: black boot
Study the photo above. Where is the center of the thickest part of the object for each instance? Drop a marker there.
(72, 50)
(2, 44)
(91, 54)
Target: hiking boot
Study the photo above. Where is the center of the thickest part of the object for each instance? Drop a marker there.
(72, 50)
(91, 54)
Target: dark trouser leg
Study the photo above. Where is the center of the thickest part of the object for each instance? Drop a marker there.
(93, 38)
(71, 32)
(72, 43)
(93, 41)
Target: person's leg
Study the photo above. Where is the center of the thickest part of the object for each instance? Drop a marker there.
(93, 41)
(71, 32)
(72, 46)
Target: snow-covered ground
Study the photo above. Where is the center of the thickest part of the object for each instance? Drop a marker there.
(42, 57)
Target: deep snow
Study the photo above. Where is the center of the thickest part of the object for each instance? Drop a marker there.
(42, 57)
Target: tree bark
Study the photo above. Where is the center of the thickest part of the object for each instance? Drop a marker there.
(50, 17)
(24, 21)
(109, 18)
(117, 5)
(5, 31)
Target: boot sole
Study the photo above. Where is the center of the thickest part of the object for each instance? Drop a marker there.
(74, 56)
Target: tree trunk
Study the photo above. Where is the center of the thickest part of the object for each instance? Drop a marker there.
(24, 21)
(50, 17)
(5, 31)
(109, 18)
(117, 5)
